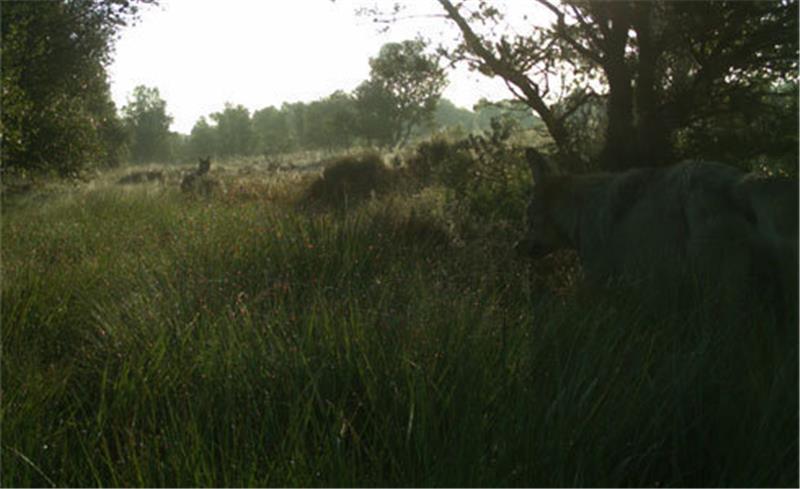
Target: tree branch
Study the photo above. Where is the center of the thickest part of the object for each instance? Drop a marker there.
(561, 29)
(530, 92)
(578, 103)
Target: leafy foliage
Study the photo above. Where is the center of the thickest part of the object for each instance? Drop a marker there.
(761, 134)
(234, 132)
(57, 111)
(486, 178)
(401, 96)
(147, 121)
(377, 119)
(404, 87)
(663, 67)
(202, 140)
(271, 131)
(336, 122)
(330, 123)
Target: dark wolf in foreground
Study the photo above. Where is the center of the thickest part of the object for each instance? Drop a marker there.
(693, 221)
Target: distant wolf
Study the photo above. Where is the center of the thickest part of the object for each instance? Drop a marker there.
(653, 225)
(194, 178)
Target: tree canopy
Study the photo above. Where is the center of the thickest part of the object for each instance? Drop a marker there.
(148, 124)
(271, 131)
(404, 87)
(234, 131)
(57, 111)
(660, 69)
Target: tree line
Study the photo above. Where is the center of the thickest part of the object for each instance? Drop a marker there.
(401, 100)
(639, 83)
(328, 124)
(58, 116)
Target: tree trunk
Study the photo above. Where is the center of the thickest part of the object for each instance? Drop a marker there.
(652, 142)
(615, 20)
(618, 151)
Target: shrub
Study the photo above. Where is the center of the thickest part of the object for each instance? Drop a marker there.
(431, 157)
(350, 180)
(485, 176)
(141, 177)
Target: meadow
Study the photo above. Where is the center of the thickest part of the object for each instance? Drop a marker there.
(247, 338)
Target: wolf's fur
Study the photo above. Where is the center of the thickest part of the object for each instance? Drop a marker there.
(197, 181)
(656, 224)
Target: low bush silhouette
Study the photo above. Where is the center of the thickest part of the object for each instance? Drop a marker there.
(141, 177)
(350, 180)
(429, 157)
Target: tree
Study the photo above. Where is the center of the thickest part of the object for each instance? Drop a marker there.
(148, 125)
(658, 67)
(404, 87)
(378, 119)
(296, 120)
(331, 122)
(234, 131)
(202, 140)
(57, 111)
(271, 131)
(511, 109)
(449, 115)
(764, 133)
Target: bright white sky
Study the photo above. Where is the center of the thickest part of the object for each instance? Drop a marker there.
(203, 53)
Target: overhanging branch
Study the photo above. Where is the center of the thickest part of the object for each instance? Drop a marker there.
(561, 29)
(528, 91)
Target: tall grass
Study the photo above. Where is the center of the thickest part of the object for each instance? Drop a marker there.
(155, 340)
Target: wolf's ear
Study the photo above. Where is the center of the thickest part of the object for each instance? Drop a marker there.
(537, 163)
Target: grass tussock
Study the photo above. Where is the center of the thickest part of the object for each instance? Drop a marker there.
(154, 340)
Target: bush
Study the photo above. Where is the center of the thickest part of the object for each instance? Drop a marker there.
(485, 176)
(141, 177)
(432, 156)
(350, 180)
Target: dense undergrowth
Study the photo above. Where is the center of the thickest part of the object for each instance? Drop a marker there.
(155, 339)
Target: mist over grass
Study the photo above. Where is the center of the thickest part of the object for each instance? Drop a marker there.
(153, 338)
